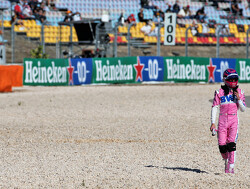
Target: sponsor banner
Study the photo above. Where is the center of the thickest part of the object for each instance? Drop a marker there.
(220, 65)
(186, 69)
(82, 71)
(153, 69)
(243, 69)
(47, 72)
(117, 70)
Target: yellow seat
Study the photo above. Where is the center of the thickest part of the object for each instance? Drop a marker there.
(7, 24)
(47, 40)
(120, 29)
(210, 40)
(132, 29)
(195, 39)
(152, 39)
(37, 34)
(65, 39)
(199, 28)
(33, 22)
(242, 40)
(155, 39)
(244, 34)
(142, 35)
(212, 30)
(75, 39)
(20, 28)
(178, 39)
(53, 40)
(124, 39)
(146, 39)
(29, 34)
(162, 39)
(139, 24)
(246, 27)
(226, 40)
(178, 34)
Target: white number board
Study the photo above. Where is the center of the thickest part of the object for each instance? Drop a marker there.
(169, 28)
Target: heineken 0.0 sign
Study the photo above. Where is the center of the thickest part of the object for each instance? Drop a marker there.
(46, 72)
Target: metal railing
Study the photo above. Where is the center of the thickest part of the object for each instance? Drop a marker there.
(247, 46)
(115, 39)
(129, 38)
(115, 45)
(70, 24)
(13, 41)
(218, 41)
(159, 39)
(186, 40)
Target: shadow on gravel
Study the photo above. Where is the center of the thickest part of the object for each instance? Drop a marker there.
(247, 101)
(178, 169)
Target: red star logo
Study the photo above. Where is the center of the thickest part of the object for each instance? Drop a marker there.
(139, 68)
(211, 68)
(70, 70)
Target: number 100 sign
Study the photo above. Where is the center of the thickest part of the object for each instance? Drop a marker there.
(169, 28)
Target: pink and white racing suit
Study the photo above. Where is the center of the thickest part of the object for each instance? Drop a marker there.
(228, 121)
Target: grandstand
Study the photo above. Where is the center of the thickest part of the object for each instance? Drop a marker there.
(94, 9)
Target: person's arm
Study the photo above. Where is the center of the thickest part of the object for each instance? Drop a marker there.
(213, 114)
(213, 117)
(65, 19)
(215, 106)
(241, 100)
(234, 7)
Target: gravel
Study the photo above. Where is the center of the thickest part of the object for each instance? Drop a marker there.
(116, 136)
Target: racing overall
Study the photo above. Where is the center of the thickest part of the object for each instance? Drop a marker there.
(228, 121)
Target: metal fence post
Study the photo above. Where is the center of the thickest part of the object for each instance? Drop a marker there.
(186, 40)
(247, 42)
(42, 40)
(97, 36)
(159, 39)
(115, 40)
(57, 49)
(59, 41)
(128, 37)
(218, 42)
(13, 41)
(71, 40)
(2, 24)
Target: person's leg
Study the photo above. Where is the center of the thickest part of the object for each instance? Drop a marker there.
(231, 141)
(241, 12)
(222, 139)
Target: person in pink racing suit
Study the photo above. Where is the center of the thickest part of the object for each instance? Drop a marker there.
(229, 98)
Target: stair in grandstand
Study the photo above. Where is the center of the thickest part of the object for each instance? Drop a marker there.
(140, 44)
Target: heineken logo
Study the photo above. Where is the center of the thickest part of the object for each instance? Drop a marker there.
(70, 70)
(185, 71)
(139, 67)
(211, 68)
(244, 73)
(35, 73)
(118, 72)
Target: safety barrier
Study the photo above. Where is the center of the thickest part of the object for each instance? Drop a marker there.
(10, 76)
